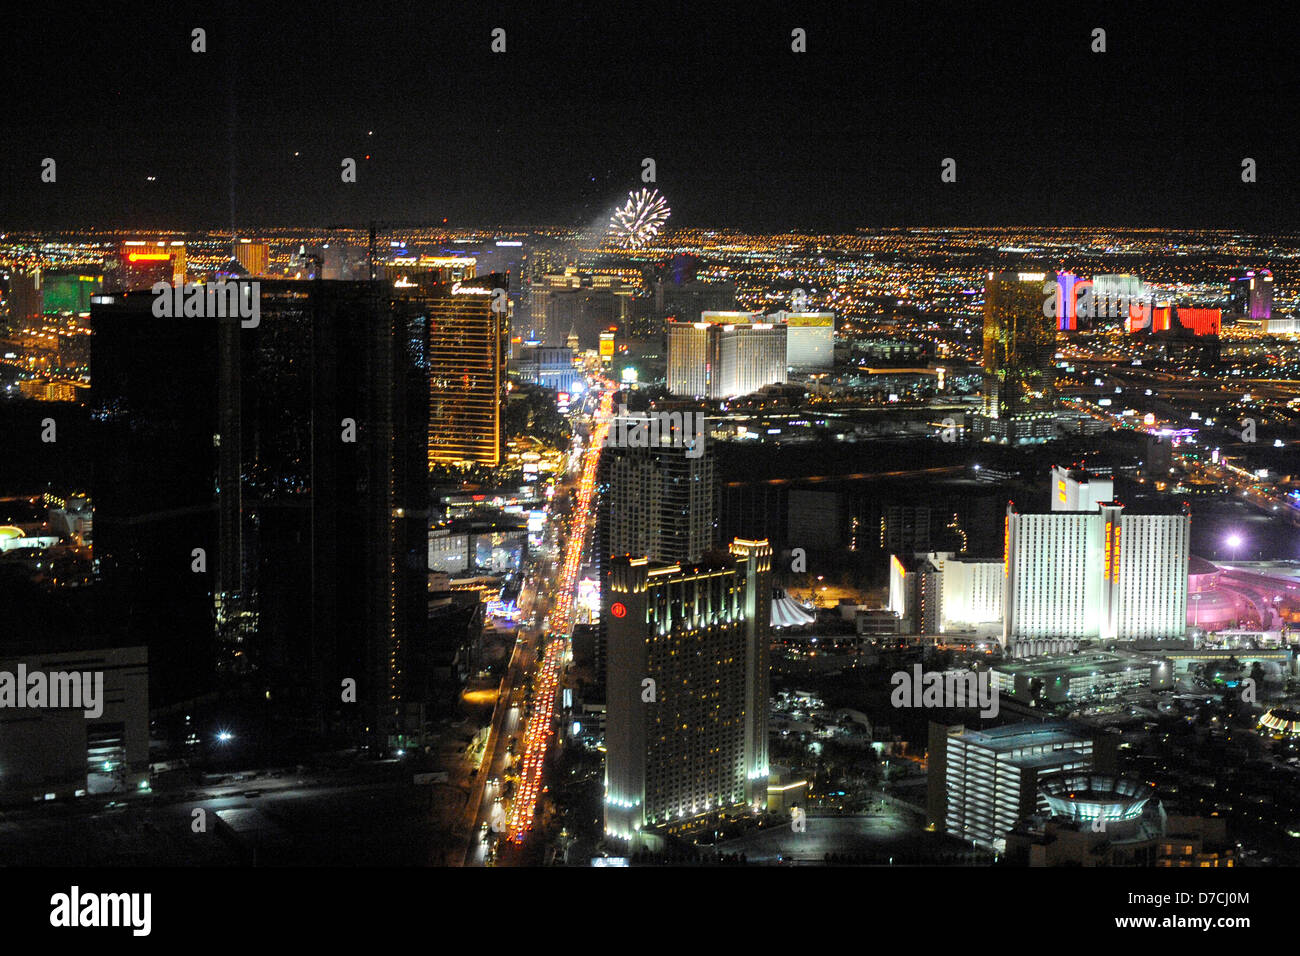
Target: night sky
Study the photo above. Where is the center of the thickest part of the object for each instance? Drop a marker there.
(745, 133)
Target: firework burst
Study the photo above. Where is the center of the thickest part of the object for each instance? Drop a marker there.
(640, 219)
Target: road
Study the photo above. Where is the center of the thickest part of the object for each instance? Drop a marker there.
(550, 593)
(540, 728)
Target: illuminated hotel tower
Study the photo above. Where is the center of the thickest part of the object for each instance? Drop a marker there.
(140, 263)
(810, 338)
(468, 330)
(725, 355)
(1019, 343)
(1251, 295)
(1067, 307)
(1100, 573)
(694, 358)
(690, 747)
(656, 503)
(253, 256)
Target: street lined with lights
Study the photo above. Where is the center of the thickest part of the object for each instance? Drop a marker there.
(537, 736)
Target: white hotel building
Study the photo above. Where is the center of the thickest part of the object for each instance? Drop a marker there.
(810, 339)
(1097, 574)
(940, 593)
(726, 355)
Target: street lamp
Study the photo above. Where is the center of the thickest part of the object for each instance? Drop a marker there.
(1233, 542)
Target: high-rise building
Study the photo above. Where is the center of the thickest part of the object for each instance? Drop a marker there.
(581, 304)
(153, 412)
(982, 783)
(1186, 336)
(60, 292)
(725, 355)
(139, 263)
(694, 358)
(1018, 359)
(468, 331)
(1067, 307)
(1115, 297)
(916, 593)
(426, 271)
(292, 455)
(688, 690)
(971, 596)
(26, 299)
(655, 502)
(546, 366)
(1162, 316)
(1200, 321)
(810, 338)
(253, 256)
(753, 355)
(1098, 574)
(938, 592)
(1251, 295)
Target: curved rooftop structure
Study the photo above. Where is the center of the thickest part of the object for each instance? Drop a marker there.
(1281, 720)
(1085, 797)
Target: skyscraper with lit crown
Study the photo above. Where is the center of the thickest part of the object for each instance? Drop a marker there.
(688, 690)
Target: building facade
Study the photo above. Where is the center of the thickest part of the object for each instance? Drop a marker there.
(688, 690)
(253, 256)
(655, 502)
(982, 783)
(1019, 369)
(261, 498)
(725, 355)
(810, 339)
(1103, 574)
(1076, 490)
(547, 366)
(468, 331)
(1251, 295)
(61, 752)
(971, 593)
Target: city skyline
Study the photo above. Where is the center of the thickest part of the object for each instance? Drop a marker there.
(742, 442)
